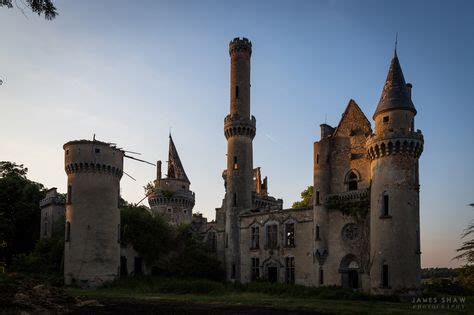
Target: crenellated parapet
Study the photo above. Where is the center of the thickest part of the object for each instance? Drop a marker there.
(391, 143)
(93, 168)
(238, 45)
(183, 198)
(236, 125)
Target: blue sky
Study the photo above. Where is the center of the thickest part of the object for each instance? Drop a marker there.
(130, 71)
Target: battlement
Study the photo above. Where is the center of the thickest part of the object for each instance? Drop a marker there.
(235, 125)
(240, 45)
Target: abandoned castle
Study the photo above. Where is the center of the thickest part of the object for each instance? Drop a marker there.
(366, 195)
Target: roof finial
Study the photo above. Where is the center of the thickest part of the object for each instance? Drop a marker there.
(396, 42)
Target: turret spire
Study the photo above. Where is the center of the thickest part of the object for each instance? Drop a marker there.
(175, 168)
(395, 94)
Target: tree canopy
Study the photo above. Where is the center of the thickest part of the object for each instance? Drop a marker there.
(45, 7)
(19, 209)
(306, 197)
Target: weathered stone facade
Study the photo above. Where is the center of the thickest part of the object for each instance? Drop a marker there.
(53, 212)
(92, 236)
(366, 196)
(360, 230)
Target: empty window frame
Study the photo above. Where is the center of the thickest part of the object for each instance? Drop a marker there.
(352, 181)
(272, 236)
(290, 270)
(255, 268)
(254, 237)
(290, 234)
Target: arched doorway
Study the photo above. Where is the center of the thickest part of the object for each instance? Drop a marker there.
(350, 270)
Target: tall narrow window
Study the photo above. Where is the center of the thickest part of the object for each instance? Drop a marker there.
(232, 276)
(69, 194)
(236, 165)
(418, 249)
(255, 231)
(385, 275)
(317, 233)
(68, 231)
(236, 91)
(317, 197)
(290, 234)
(212, 241)
(272, 236)
(321, 276)
(255, 268)
(385, 209)
(235, 199)
(352, 181)
(317, 158)
(290, 270)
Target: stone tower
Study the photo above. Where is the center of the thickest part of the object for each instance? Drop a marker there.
(171, 196)
(394, 151)
(92, 237)
(239, 130)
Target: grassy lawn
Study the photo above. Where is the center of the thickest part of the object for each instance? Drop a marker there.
(255, 299)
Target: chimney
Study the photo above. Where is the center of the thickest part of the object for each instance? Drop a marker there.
(158, 171)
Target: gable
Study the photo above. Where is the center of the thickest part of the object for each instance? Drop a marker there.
(353, 122)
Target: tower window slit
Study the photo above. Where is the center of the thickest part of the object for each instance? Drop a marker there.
(317, 197)
(385, 209)
(235, 199)
(236, 165)
(68, 231)
(236, 91)
(385, 275)
(69, 194)
(321, 276)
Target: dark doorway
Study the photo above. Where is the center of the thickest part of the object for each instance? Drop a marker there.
(123, 266)
(272, 274)
(353, 279)
(138, 267)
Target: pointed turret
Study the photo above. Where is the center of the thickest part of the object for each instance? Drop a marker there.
(175, 168)
(396, 93)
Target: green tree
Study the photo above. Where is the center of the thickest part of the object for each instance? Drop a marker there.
(306, 197)
(151, 236)
(190, 257)
(45, 7)
(19, 209)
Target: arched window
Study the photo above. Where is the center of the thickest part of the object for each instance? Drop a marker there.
(352, 180)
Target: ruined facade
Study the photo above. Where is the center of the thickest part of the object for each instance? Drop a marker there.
(360, 230)
(366, 195)
(53, 212)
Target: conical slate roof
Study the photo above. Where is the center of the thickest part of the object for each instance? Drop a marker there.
(395, 94)
(175, 168)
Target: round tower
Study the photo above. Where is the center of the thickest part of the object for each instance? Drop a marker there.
(239, 130)
(92, 237)
(394, 151)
